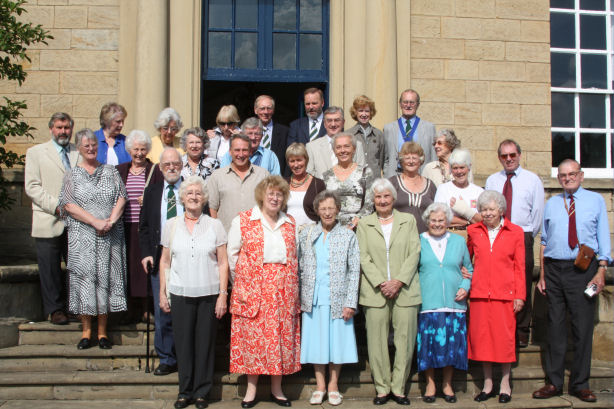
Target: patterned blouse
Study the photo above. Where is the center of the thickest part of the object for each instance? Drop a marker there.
(204, 169)
(356, 198)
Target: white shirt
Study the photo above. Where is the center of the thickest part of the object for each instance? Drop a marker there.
(492, 233)
(387, 230)
(469, 194)
(527, 197)
(164, 205)
(438, 244)
(318, 122)
(274, 244)
(112, 157)
(194, 270)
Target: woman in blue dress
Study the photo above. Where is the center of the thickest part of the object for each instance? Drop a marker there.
(445, 270)
(329, 267)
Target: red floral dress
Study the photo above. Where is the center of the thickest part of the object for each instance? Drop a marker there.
(265, 331)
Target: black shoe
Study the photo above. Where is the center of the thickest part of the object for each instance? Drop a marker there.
(381, 400)
(104, 343)
(400, 400)
(164, 369)
(201, 403)
(484, 396)
(85, 343)
(428, 399)
(182, 403)
(281, 402)
(248, 404)
(504, 398)
(59, 318)
(449, 398)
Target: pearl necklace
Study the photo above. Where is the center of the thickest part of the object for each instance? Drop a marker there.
(385, 219)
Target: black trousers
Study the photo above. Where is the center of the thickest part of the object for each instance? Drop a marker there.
(523, 318)
(194, 330)
(49, 254)
(565, 285)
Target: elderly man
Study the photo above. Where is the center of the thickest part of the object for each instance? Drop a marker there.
(46, 164)
(320, 151)
(160, 203)
(259, 155)
(231, 188)
(308, 128)
(275, 136)
(524, 194)
(409, 127)
(573, 220)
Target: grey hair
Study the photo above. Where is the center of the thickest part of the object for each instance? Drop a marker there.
(460, 157)
(191, 181)
(509, 142)
(60, 116)
(167, 115)
(450, 138)
(241, 136)
(138, 136)
(333, 139)
(250, 123)
(166, 149)
(381, 184)
(86, 133)
(326, 194)
(488, 196)
(437, 207)
(333, 110)
(199, 133)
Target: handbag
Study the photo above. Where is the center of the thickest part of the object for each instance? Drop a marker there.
(584, 257)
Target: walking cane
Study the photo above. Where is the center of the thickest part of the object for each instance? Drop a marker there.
(149, 272)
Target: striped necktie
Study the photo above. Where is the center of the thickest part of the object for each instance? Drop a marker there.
(65, 159)
(266, 139)
(313, 133)
(171, 207)
(408, 128)
(572, 233)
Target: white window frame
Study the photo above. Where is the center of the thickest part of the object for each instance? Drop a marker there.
(608, 171)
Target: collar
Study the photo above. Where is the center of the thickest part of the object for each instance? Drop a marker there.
(176, 184)
(230, 169)
(269, 126)
(318, 119)
(257, 215)
(575, 194)
(260, 151)
(498, 227)
(411, 120)
(516, 172)
(59, 147)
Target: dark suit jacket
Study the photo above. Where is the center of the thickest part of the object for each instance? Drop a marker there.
(149, 222)
(279, 143)
(299, 131)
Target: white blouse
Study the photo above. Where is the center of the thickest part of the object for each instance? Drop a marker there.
(194, 270)
(438, 244)
(387, 230)
(296, 208)
(274, 244)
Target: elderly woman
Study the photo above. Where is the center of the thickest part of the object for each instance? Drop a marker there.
(303, 186)
(168, 124)
(375, 147)
(265, 330)
(111, 142)
(329, 275)
(497, 291)
(194, 258)
(194, 143)
(414, 192)
(136, 175)
(92, 201)
(350, 180)
(389, 290)
(227, 121)
(460, 194)
(442, 326)
(439, 170)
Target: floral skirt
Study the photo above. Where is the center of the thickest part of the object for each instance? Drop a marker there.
(442, 340)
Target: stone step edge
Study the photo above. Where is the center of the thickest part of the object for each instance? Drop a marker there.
(76, 326)
(127, 377)
(71, 351)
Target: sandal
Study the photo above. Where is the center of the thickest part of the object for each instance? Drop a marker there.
(317, 397)
(335, 398)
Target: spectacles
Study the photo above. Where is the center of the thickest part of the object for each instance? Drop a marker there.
(508, 155)
(409, 103)
(570, 175)
(172, 128)
(436, 143)
(226, 124)
(275, 195)
(167, 165)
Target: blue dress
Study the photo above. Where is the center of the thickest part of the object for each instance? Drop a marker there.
(325, 340)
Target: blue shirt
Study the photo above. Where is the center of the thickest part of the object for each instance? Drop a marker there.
(591, 225)
(119, 148)
(263, 157)
(412, 121)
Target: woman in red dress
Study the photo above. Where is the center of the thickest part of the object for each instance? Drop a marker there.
(497, 291)
(265, 305)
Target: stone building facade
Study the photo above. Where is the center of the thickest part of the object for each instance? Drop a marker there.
(482, 67)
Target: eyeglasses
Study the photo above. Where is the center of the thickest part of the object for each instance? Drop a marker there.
(508, 155)
(409, 103)
(437, 143)
(570, 175)
(171, 128)
(275, 195)
(168, 165)
(226, 124)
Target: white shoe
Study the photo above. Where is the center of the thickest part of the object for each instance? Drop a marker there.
(335, 398)
(317, 397)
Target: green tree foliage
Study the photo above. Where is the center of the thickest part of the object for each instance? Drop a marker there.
(15, 37)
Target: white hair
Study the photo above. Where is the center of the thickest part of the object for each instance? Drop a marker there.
(437, 207)
(381, 184)
(167, 115)
(138, 136)
(460, 157)
(191, 181)
(488, 196)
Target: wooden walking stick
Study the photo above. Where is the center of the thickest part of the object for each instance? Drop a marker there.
(149, 272)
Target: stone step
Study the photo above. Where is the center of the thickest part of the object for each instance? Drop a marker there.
(355, 382)
(44, 333)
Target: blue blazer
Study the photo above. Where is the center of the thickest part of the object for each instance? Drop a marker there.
(439, 281)
(120, 148)
(299, 131)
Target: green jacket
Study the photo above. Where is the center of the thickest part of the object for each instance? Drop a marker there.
(404, 256)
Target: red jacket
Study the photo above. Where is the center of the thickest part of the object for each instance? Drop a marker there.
(498, 274)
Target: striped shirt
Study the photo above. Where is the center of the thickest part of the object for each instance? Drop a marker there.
(135, 185)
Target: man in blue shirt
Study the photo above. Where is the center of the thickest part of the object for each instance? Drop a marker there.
(259, 156)
(573, 218)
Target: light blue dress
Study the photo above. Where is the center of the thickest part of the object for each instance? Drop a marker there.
(323, 339)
